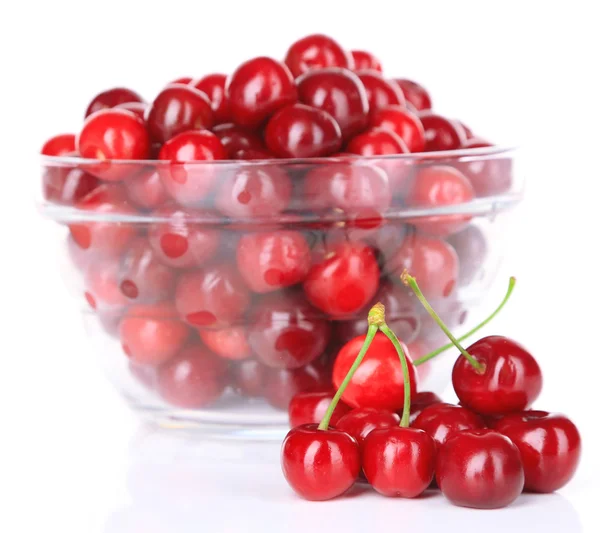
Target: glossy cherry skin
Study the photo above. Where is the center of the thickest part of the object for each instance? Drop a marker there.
(248, 378)
(375, 142)
(359, 422)
(421, 400)
(440, 133)
(364, 60)
(257, 89)
(188, 183)
(192, 379)
(213, 86)
(181, 243)
(285, 331)
(432, 261)
(479, 468)
(378, 382)
(146, 190)
(152, 334)
(443, 420)
(316, 52)
(403, 123)
(67, 185)
(234, 139)
(510, 382)
(399, 461)
(176, 109)
(112, 98)
(472, 248)
(269, 261)
(340, 93)
(59, 145)
(343, 281)
(214, 296)
(302, 131)
(380, 92)
(437, 186)
(310, 407)
(102, 292)
(491, 176)
(230, 342)
(254, 191)
(415, 94)
(319, 464)
(137, 108)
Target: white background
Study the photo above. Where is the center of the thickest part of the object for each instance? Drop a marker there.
(74, 459)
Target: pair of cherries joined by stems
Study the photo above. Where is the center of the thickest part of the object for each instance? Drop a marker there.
(482, 453)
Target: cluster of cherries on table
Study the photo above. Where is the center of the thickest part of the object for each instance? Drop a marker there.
(378, 426)
(225, 283)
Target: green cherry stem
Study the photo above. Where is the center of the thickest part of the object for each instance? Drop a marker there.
(392, 336)
(376, 318)
(409, 280)
(431, 355)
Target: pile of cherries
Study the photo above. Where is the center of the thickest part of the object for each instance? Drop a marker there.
(481, 453)
(214, 271)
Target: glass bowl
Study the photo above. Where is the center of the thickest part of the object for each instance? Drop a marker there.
(214, 292)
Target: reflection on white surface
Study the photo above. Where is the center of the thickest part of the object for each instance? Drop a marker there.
(181, 484)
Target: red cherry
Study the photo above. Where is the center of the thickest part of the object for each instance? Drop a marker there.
(213, 86)
(176, 109)
(252, 154)
(137, 108)
(472, 249)
(187, 182)
(254, 191)
(489, 175)
(104, 236)
(415, 94)
(377, 142)
(403, 123)
(257, 89)
(59, 145)
(143, 277)
(430, 260)
(380, 92)
(211, 297)
(378, 382)
(316, 52)
(310, 407)
(183, 80)
(340, 93)
(344, 281)
(101, 282)
(550, 447)
(282, 384)
(192, 379)
(399, 461)
(439, 186)
(479, 468)
(272, 260)
(286, 331)
(421, 400)
(361, 421)
(443, 420)
(146, 190)
(230, 342)
(440, 133)
(364, 60)
(301, 131)
(248, 378)
(152, 334)
(234, 139)
(319, 464)
(67, 185)
(511, 379)
(112, 98)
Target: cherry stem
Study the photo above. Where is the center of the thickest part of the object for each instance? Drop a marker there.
(409, 280)
(376, 318)
(404, 423)
(431, 355)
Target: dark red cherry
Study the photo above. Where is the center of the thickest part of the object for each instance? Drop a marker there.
(510, 381)
(343, 281)
(378, 382)
(472, 249)
(248, 378)
(214, 296)
(359, 422)
(440, 133)
(479, 468)
(176, 109)
(282, 384)
(253, 154)
(403, 123)
(112, 98)
(319, 464)
(441, 421)
(59, 145)
(146, 190)
(380, 92)
(316, 52)
(285, 331)
(302, 131)
(67, 185)
(550, 447)
(376, 142)
(230, 342)
(415, 94)
(421, 400)
(364, 60)
(310, 407)
(213, 86)
(192, 379)
(257, 89)
(137, 108)
(234, 139)
(340, 93)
